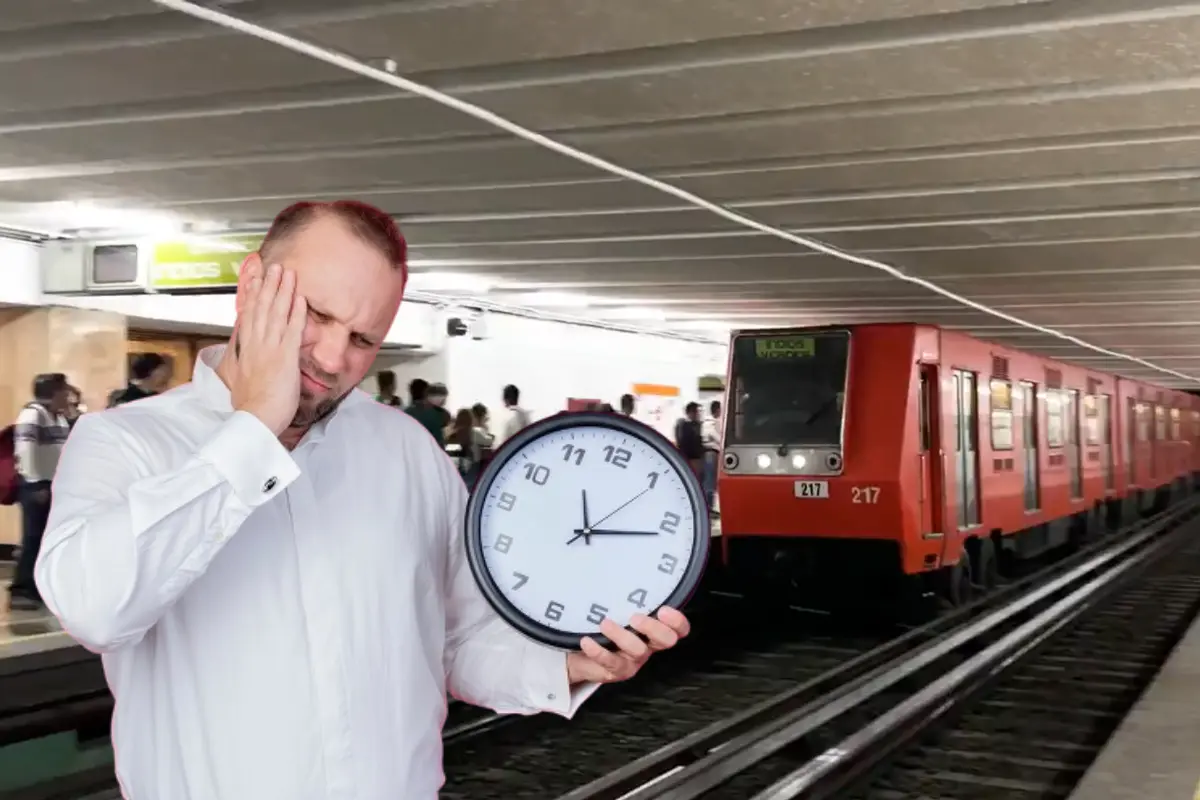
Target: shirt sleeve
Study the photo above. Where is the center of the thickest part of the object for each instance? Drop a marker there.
(25, 442)
(121, 546)
(487, 662)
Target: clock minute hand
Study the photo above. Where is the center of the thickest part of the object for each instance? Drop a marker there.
(608, 532)
(618, 508)
(586, 531)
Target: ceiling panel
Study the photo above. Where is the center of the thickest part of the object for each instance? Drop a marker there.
(1039, 156)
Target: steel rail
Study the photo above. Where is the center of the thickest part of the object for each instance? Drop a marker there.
(696, 763)
(823, 777)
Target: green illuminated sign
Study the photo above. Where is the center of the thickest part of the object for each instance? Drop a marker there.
(202, 263)
(785, 347)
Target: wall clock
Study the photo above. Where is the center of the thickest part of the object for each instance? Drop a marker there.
(582, 516)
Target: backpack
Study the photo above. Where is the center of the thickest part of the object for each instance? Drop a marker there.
(10, 480)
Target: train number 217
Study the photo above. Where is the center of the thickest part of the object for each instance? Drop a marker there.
(864, 494)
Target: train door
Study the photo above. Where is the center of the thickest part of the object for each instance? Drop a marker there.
(967, 447)
(1106, 441)
(1074, 448)
(933, 498)
(1029, 441)
(1131, 427)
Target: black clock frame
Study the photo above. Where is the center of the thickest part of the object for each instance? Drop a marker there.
(472, 529)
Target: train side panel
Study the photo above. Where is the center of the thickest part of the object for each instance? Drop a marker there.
(951, 446)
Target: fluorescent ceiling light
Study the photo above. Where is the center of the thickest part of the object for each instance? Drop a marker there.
(550, 299)
(633, 313)
(705, 325)
(71, 216)
(450, 282)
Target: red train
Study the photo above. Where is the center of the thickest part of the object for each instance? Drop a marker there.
(866, 457)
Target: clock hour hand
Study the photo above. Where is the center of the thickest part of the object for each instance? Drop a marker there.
(587, 526)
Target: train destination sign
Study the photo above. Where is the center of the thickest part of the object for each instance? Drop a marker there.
(208, 263)
(785, 347)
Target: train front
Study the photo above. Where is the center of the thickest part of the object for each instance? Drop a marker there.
(808, 505)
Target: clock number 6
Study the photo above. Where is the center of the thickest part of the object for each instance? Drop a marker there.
(670, 523)
(554, 611)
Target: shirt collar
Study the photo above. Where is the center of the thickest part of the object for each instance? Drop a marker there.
(215, 394)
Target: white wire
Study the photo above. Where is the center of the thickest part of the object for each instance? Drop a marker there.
(383, 76)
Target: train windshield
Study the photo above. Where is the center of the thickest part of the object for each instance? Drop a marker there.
(788, 389)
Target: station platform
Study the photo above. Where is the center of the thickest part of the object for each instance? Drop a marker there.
(1155, 753)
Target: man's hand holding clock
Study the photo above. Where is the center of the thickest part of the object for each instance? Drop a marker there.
(594, 664)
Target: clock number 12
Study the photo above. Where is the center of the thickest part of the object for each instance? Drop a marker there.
(617, 456)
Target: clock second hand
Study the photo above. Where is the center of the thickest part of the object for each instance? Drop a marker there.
(588, 529)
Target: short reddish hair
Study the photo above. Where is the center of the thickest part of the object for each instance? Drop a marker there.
(373, 225)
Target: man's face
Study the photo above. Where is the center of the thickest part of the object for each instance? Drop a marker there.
(60, 402)
(353, 293)
(160, 379)
(436, 400)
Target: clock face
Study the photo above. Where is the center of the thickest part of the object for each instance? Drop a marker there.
(581, 517)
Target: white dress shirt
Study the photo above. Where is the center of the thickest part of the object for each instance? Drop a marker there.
(275, 625)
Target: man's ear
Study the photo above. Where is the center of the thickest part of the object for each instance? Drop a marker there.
(243, 278)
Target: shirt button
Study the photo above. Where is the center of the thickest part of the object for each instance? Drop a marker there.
(550, 697)
(269, 485)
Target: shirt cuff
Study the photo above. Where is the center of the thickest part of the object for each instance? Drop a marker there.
(250, 458)
(546, 683)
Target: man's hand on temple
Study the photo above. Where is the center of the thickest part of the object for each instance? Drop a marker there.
(598, 665)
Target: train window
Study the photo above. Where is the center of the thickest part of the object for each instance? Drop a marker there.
(1055, 422)
(1143, 422)
(1175, 432)
(1092, 432)
(923, 400)
(1002, 414)
(1160, 424)
(1196, 425)
(1029, 438)
(791, 388)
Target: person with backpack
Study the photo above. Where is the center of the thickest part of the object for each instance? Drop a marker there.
(26, 471)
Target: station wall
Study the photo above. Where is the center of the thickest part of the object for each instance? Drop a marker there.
(551, 362)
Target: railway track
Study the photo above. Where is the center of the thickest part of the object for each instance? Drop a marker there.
(741, 704)
(729, 664)
(1014, 703)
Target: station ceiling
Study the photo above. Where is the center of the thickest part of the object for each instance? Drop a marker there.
(1039, 157)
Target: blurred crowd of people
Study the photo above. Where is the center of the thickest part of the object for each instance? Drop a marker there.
(468, 438)
(30, 449)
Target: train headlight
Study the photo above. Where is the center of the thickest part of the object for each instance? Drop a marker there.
(798, 461)
(763, 461)
(731, 460)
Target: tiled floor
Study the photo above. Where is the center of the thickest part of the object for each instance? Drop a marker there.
(15, 625)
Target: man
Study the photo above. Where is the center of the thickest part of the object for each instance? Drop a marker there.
(436, 396)
(386, 382)
(38, 436)
(627, 405)
(518, 417)
(689, 439)
(272, 564)
(710, 435)
(149, 374)
(423, 411)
